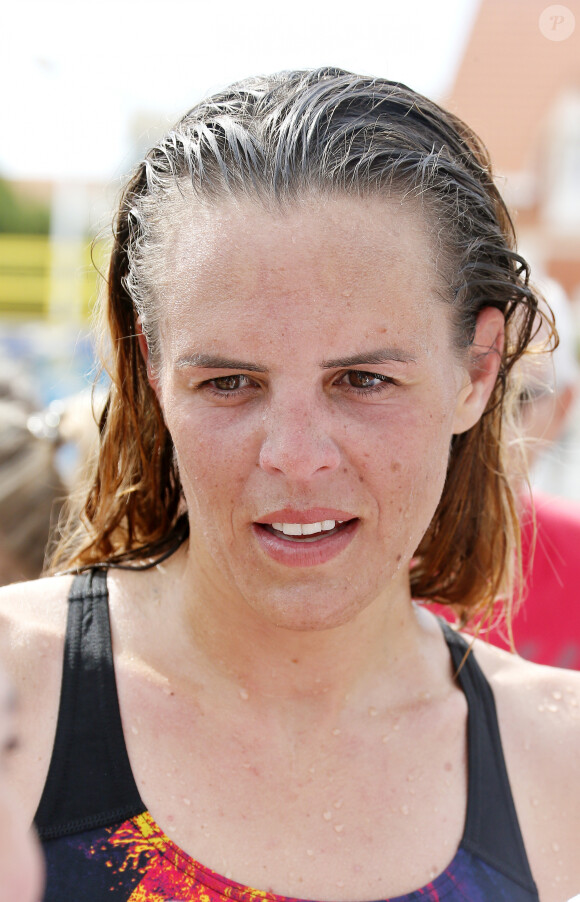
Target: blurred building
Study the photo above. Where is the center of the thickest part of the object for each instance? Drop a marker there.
(518, 86)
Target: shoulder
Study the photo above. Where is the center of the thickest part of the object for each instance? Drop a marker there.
(538, 706)
(32, 630)
(539, 719)
(32, 611)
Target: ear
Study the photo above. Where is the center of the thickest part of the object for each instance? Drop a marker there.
(480, 369)
(144, 348)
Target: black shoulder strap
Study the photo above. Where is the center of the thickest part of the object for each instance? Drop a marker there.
(492, 831)
(90, 783)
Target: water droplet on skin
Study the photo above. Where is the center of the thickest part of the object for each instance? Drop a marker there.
(309, 852)
(186, 801)
(555, 847)
(541, 708)
(573, 702)
(336, 732)
(340, 883)
(228, 875)
(244, 694)
(557, 695)
(135, 731)
(337, 804)
(432, 873)
(527, 745)
(339, 828)
(312, 769)
(395, 726)
(373, 712)
(552, 708)
(386, 738)
(535, 802)
(327, 815)
(404, 809)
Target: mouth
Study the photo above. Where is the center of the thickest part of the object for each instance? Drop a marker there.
(305, 544)
(305, 533)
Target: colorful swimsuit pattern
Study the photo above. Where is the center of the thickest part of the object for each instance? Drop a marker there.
(101, 843)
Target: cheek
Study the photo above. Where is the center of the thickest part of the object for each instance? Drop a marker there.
(215, 456)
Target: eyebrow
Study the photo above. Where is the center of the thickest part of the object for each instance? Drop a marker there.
(215, 362)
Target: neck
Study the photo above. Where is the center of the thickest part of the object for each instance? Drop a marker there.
(385, 641)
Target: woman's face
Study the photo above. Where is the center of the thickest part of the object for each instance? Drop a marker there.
(21, 868)
(308, 377)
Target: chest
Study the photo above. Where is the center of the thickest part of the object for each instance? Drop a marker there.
(363, 806)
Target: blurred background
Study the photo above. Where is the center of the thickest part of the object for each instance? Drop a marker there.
(87, 87)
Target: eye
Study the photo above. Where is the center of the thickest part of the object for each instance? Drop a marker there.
(363, 382)
(228, 383)
(229, 388)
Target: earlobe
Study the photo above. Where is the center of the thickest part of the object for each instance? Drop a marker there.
(481, 369)
(144, 348)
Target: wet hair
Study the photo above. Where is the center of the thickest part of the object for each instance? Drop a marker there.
(276, 140)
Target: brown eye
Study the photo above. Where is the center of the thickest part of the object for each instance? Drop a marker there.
(227, 383)
(358, 379)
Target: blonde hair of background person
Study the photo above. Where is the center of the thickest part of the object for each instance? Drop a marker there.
(33, 483)
(31, 491)
(314, 304)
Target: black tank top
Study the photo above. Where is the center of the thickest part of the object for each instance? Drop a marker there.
(101, 843)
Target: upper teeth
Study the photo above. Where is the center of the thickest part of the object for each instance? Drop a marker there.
(305, 529)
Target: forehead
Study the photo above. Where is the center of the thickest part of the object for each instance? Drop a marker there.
(316, 260)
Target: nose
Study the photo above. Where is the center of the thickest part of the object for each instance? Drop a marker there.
(297, 442)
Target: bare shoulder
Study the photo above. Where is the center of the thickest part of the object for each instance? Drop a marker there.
(32, 630)
(31, 615)
(539, 718)
(543, 702)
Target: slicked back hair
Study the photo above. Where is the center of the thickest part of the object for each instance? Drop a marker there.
(275, 140)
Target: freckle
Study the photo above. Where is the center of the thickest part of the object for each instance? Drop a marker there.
(244, 694)
(401, 510)
(448, 766)
(398, 558)
(361, 479)
(395, 466)
(295, 660)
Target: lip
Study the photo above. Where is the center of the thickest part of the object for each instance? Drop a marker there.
(305, 554)
(312, 515)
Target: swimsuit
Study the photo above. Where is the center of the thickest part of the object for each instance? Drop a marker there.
(101, 843)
